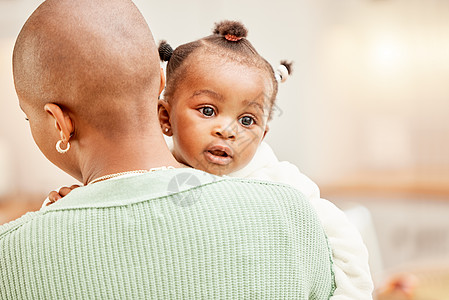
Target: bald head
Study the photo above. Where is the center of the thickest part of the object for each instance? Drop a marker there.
(96, 59)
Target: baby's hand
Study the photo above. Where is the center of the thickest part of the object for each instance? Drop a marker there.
(54, 196)
(400, 286)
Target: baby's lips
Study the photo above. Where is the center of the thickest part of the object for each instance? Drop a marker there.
(222, 148)
(217, 159)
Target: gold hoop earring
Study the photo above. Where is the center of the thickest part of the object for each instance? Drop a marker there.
(59, 149)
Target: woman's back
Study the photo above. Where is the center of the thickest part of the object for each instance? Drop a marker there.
(169, 234)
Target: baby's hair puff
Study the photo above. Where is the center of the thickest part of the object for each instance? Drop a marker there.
(165, 51)
(229, 40)
(284, 71)
(232, 31)
(288, 65)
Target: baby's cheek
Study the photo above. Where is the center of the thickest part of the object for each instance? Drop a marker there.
(182, 152)
(244, 156)
(250, 147)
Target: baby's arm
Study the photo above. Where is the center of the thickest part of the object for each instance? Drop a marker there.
(350, 256)
(352, 274)
(54, 196)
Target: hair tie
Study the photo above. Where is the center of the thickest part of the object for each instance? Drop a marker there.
(281, 73)
(233, 38)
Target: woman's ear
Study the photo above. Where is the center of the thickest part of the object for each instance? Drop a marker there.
(63, 122)
(162, 87)
(163, 109)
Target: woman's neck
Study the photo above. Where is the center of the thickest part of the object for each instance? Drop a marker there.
(103, 156)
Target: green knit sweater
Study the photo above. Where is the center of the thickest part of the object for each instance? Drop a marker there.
(174, 234)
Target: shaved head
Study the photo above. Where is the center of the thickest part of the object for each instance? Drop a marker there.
(95, 59)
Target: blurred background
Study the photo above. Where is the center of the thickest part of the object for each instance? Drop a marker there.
(364, 115)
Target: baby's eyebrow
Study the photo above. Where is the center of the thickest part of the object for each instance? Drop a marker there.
(209, 93)
(253, 103)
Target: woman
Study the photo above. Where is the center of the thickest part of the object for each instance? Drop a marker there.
(87, 76)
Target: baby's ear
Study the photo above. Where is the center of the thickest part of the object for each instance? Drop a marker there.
(163, 109)
(267, 128)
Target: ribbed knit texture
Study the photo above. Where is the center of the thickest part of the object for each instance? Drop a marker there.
(137, 238)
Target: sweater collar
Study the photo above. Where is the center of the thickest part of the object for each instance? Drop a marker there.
(138, 188)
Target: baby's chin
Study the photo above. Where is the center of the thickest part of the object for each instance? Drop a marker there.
(207, 165)
(219, 170)
(214, 169)
(211, 169)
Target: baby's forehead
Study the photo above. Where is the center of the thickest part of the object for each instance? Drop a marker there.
(226, 57)
(196, 65)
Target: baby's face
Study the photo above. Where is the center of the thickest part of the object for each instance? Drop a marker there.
(218, 115)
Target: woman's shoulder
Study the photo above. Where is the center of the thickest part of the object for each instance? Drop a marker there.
(16, 224)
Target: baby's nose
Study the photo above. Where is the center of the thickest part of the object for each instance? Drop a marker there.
(226, 131)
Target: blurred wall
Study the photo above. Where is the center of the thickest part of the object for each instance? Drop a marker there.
(368, 91)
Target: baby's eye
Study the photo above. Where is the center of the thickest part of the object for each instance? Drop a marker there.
(246, 121)
(207, 111)
(26, 119)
